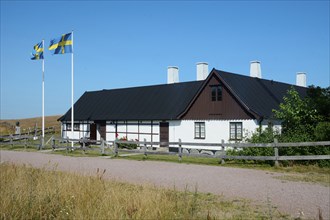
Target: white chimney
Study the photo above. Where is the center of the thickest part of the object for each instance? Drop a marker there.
(255, 69)
(202, 70)
(172, 74)
(301, 79)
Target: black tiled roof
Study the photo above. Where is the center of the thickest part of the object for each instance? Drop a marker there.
(260, 96)
(168, 101)
(159, 102)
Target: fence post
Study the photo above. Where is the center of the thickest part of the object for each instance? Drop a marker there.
(223, 153)
(53, 143)
(145, 147)
(102, 146)
(11, 141)
(83, 144)
(115, 144)
(276, 152)
(35, 131)
(40, 145)
(180, 150)
(25, 143)
(67, 145)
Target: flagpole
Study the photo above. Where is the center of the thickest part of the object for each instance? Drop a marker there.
(72, 110)
(43, 97)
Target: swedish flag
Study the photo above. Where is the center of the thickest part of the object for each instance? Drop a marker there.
(38, 53)
(62, 44)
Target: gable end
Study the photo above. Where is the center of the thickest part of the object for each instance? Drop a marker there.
(204, 107)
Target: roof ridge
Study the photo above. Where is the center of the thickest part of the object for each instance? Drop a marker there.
(262, 79)
(147, 86)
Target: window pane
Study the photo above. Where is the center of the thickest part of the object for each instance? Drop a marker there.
(202, 130)
(239, 130)
(219, 93)
(76, 127)
(213, 92)
(232, 129)
(197, 131)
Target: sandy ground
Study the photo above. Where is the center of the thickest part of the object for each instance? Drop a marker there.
(259, 186)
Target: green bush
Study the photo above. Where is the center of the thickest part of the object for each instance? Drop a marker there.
(322, 131)
(127, 146)
(260, 136)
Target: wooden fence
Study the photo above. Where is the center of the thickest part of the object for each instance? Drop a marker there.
(192, 149)
(31, 131)
(21, 140)
(210, 150)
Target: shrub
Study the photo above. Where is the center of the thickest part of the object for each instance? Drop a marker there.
(322, 131)
(127, 145)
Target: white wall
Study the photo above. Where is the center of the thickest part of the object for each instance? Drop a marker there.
(215, 130)
(133, 130)
(84, 130)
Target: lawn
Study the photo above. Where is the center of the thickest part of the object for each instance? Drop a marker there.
(30, 193)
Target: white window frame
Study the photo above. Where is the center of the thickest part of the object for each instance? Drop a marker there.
(200, 130)
(236, 131)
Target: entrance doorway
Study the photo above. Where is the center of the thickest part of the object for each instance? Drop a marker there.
(164, 133)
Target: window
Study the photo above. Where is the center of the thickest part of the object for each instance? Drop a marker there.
(199, 130)
(216, 93)
(236, 130)
(76, 127)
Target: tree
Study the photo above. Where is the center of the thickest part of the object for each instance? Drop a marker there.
(299, 116)
(319, 98)
(302, 122)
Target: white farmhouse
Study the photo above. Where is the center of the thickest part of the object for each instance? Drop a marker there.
(218, 105)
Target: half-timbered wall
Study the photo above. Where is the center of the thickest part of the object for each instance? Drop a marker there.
(83, 131)
(133, 130)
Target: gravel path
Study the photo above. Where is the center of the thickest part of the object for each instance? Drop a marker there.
(259, 186)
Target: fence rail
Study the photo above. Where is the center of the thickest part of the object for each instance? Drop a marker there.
(30, 132)
(209, 150)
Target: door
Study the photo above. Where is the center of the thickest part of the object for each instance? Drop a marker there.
(100, 130)
(93, 131)
(103, 130)
(164, 133)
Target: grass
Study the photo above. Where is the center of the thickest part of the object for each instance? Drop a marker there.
(323, 179)
(50, 121)
(80, 153)
(31, 145)
(30, 193)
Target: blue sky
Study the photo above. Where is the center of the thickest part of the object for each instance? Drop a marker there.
(127, 44)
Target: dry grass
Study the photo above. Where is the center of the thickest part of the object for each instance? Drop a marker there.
(322, 179)
(50, 121)
(29, 193)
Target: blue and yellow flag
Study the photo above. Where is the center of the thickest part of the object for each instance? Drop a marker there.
(62, 44)
(38, 53)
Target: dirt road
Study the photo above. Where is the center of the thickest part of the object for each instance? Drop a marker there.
(259, 186)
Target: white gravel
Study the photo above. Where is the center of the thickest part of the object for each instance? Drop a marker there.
(292, 198)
